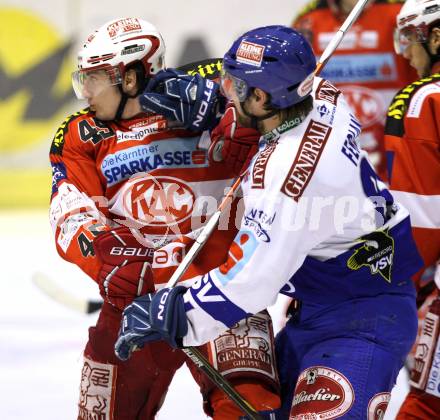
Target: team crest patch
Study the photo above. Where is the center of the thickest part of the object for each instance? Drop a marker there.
(378, 405)
(247, 346)
(250, 53)
(424, 354)
(96, 397)
(376, 252)
(321, 393)
(327, 92)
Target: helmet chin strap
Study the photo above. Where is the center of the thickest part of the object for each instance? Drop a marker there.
(122, 103)
(125, 96)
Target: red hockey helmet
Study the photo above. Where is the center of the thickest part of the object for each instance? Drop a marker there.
(414, 22)
(114, 46)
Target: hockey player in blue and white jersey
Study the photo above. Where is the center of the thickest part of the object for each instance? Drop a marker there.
(318, 225)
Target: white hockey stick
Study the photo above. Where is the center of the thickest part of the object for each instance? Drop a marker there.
(336, 40)
(50, 288)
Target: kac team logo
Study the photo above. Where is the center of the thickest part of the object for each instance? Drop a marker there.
(158, 201)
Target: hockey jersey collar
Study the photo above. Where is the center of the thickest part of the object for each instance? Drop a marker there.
(287, 125)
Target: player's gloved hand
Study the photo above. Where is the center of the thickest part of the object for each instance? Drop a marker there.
(151, 318)
(232, 143)
(193, 101)
(126, 267)
(135, 327)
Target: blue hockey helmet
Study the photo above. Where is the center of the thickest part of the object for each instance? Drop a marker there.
(276, 59)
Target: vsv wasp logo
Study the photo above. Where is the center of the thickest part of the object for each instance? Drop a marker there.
(376, 252)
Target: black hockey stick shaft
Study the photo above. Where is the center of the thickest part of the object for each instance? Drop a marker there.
(203, 364)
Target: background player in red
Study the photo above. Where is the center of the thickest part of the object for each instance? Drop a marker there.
(115, 165)
(412, 141)
(364, 66)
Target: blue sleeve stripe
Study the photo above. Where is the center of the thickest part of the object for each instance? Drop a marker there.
(210, 298)
(59, 173)
(390, 160)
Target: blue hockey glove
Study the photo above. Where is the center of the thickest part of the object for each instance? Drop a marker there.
(151, 318)
(168, 315)
(193, 101)
(135, 328)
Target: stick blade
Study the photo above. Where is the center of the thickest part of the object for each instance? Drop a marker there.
(50, 288)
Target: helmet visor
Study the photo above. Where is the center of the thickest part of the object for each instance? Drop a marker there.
(403, 37)
(91, 82)
(233, 87)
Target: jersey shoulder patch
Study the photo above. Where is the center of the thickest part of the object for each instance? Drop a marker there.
(209, 68)
(58, 141)
(400, 104)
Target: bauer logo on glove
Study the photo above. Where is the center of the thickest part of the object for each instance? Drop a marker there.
(125, 267)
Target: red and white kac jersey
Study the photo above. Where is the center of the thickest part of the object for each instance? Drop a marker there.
(412, 141)
(139, 173)
(364, 66)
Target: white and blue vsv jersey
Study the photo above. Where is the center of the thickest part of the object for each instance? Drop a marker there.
(318, 225)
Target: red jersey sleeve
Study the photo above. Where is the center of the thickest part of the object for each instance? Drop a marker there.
(412, 143)
(78, 208)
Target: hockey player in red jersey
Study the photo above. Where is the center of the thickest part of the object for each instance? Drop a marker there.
(412, 141)
(125, 181)
(364, 66)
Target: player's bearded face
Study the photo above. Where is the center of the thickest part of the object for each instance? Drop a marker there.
(242, 118)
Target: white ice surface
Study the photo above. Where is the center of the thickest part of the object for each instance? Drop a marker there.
(41, 341)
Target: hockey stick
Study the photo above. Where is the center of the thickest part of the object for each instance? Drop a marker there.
(336, 40)
(193, 353)
(63, 297)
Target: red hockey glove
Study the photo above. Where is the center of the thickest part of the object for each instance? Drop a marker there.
(233, 143)
(126, 267)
